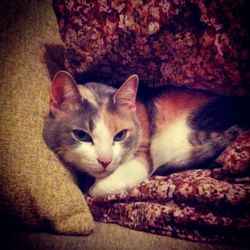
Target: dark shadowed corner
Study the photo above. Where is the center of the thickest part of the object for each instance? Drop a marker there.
(52, 55)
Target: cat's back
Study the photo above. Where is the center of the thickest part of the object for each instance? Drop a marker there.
(174, 104)
(170, 110)
(178, 115)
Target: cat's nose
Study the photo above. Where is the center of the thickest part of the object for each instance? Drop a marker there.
(104, 163)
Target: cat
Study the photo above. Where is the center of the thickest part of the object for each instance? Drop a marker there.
(121, 137)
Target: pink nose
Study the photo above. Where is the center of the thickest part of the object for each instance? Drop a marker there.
(104, 163)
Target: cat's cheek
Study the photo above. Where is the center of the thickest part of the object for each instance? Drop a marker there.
(118, 153)
(82, 156)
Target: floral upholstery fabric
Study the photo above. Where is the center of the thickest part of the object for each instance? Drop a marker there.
(192, 43)
(199, 44)
(202, 205)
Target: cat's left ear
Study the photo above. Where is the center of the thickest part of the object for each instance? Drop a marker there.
(125, 96)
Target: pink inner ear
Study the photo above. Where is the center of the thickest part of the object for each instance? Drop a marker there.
(57, 94)
(63, 87)
(126, 94)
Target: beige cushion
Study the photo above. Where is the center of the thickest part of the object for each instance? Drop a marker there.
(34, 184)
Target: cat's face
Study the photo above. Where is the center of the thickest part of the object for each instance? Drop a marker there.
(93, 126)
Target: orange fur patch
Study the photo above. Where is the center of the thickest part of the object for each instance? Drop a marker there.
(175, 105)
(115, 122)
(143, 154)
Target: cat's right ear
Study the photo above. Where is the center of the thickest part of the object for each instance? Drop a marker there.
(63, 88)
(125, 96)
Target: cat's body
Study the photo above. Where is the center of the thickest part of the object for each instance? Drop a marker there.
(121, 140)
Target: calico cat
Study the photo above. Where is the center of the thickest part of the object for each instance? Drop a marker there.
(121, 138)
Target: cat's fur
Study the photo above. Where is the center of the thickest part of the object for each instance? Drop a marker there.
(167, 129)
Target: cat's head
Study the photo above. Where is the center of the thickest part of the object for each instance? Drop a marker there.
(92, 126)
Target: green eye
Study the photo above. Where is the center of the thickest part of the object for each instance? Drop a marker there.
(82, 136)
(121, 135)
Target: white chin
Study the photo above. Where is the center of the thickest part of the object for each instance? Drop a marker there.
(100, 175)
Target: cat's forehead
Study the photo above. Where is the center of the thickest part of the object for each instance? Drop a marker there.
(96, 93)
(98, 106)
(115, 120)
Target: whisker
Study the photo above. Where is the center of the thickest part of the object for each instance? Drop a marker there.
(59, 151)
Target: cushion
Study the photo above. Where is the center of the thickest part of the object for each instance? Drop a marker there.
(235, 160)
(34, 186)
(199, 44)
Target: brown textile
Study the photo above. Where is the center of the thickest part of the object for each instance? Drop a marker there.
(35, 188)
(199, 44)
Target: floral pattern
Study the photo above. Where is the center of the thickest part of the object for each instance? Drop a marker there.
(193, 43)
(201, 205)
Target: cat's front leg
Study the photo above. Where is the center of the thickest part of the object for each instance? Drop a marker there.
(126, 176)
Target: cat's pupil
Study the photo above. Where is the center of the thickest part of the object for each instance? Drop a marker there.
(121, 135)
(82, 136)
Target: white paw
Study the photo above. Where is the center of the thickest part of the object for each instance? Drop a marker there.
(103, 187)
(127, 176)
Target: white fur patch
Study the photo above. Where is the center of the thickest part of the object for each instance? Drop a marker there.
(103, 141)
(87, 94)
(128, 175)
(171, 145)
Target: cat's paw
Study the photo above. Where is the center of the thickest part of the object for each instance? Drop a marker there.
(127, 176)
(103, 187)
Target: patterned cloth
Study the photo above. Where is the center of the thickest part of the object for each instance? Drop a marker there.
(201, 205)
(193, 43)
(199, 44)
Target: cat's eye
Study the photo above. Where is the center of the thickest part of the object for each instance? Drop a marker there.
(121, 135)
(82, 136)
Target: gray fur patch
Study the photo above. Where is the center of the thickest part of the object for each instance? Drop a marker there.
(102, 93)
